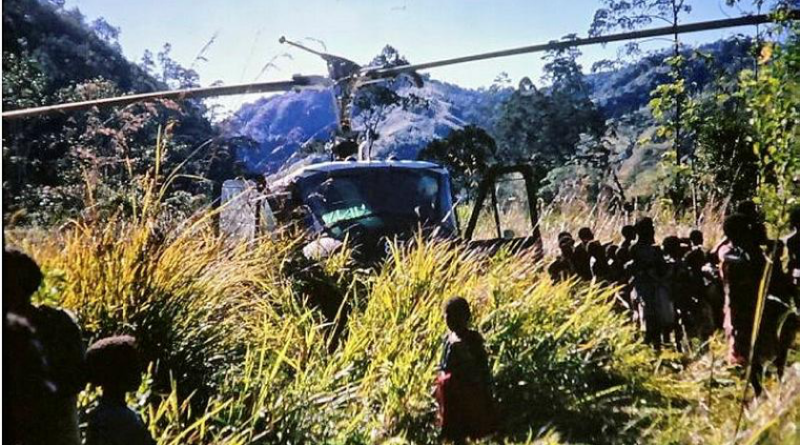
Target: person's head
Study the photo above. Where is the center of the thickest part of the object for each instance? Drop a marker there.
(749, 209)
(672, 246)
(585, 234)
(564, 235)
(737, 228)
(645, 230)
(21, 278)
(567, 246)
(629, 232)
(696, 237)
(794, 217)
(457, 314)
(113, 364)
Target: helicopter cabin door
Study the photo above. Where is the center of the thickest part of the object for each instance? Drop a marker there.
(504, 213)
(246, 212)
(237, 218)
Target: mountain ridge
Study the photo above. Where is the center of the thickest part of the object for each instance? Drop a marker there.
(280, 125)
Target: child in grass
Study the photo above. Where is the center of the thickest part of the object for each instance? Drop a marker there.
(113, 364)
(463, 388)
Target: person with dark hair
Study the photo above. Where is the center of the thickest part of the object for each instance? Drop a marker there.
(650, 292)
(704, 287)
(748, 210)
(582, 258)
(741, 266)
(28, 389)
(564, 234)
(628, 233)
(677, 279)
(463, 386)
(599, 262)
(58, 337)
(793, 247)
(113, 365)
(697, 256)
(586, 235)
(562, 268)
(628, 236)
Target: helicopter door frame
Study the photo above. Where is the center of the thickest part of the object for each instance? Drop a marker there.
(488, 189)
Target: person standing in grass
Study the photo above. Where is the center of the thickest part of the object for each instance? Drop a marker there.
(562, 268)
(55, 334)
(741, 266)
(463, 386)
(623, 257)
(582, 257)
(628, 236)
(601, 272)
(113, 364)
(651, 293)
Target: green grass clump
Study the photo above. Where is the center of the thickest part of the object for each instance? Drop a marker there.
(239, 354)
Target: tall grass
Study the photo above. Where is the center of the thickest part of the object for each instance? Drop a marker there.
(239, 353)
(239, 356)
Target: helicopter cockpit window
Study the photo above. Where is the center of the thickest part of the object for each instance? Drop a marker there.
(340, 200)
(378, 199)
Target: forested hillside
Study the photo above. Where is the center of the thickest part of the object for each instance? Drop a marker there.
(280, 126)
(58, 166)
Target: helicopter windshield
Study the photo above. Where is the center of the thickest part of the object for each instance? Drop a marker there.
(386, 199)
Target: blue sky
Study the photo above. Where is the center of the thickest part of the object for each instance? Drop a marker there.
(248, 30)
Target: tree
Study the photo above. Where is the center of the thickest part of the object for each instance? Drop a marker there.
(467, 153)
(547, 125)
(773, 106)
(726, 165)
(106, 32)
(373, 102)
(173, 73)
(634, 14)
(66, 165)
(629, 15)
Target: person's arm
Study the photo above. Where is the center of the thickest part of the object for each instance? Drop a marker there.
(483, 359)
(444, 361)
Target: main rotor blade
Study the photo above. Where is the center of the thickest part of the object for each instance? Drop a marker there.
(227, 90)
(555, 45)
(319, 81)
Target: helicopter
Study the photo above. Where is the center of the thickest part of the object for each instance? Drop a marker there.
(367, 202)
(371, 202)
